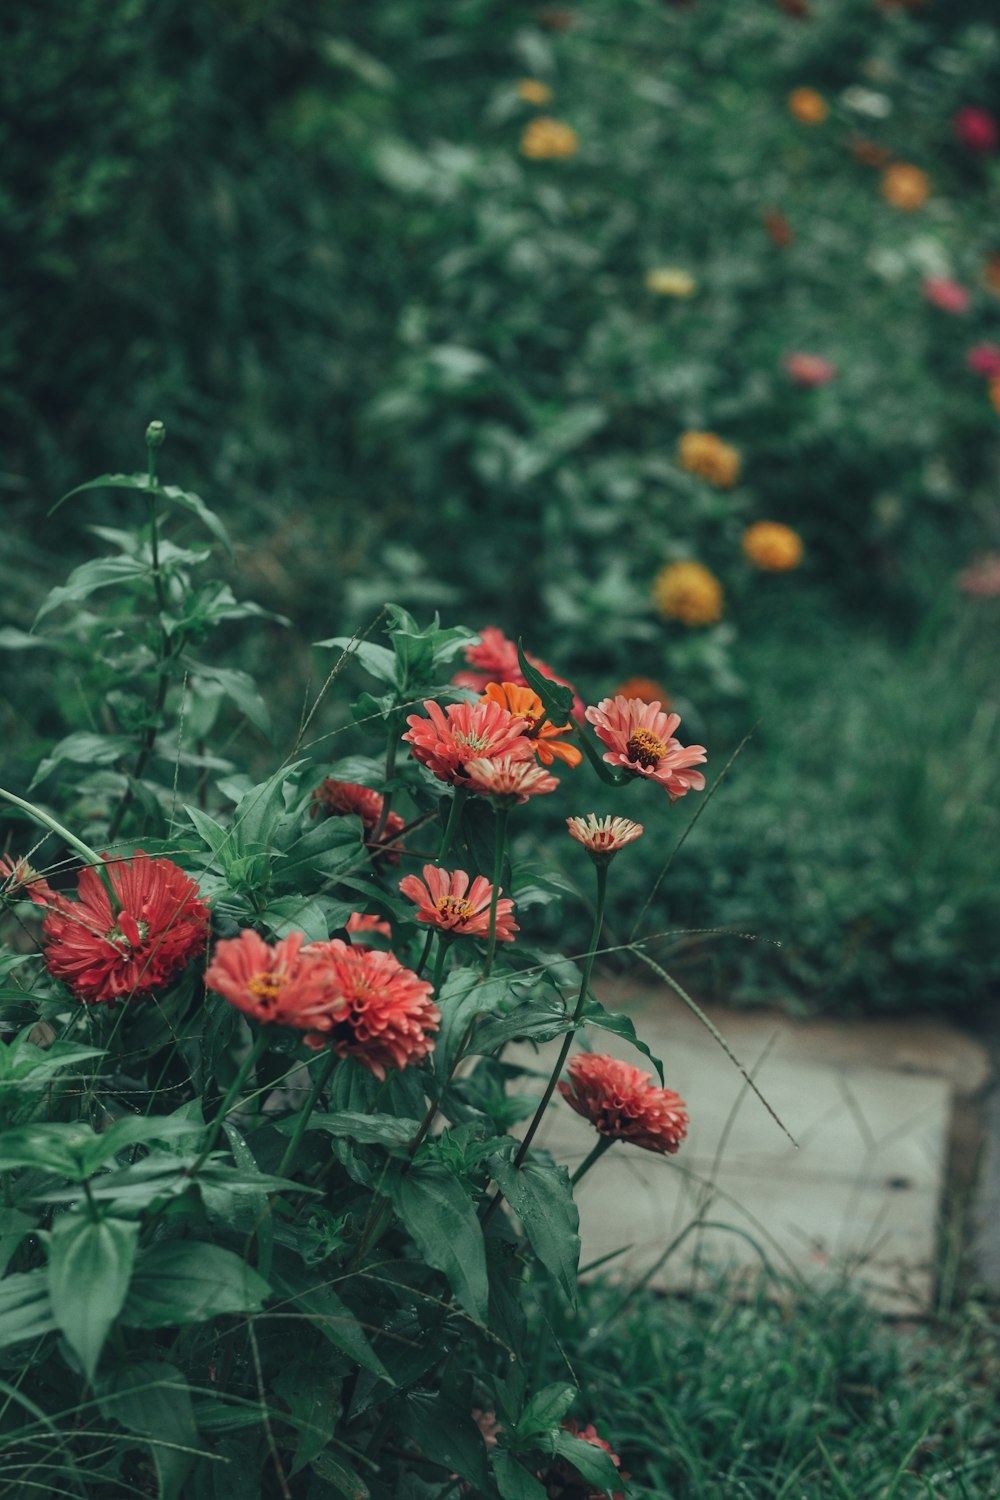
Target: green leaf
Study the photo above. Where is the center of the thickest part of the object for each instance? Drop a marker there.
(382, 1130)
(379, 661)
(446, 1434)
(558, 700)
(213, 833)
(187, 500)
(24, 1064)
(152, 1398)
(297, 914)
(546, 1409)
(14, 1227)
(240, 687)
(90, 1265)
(25, 1311)
(464, 996)
(100, 573)
(513, 1480)
(46, 1146)
(541, 1196)
(620, 1025)
(323, 852)
(341, 1476)
(183, 498)
(84, 749)
(330, 1316)
(590, 1462)
(180, 1281)
(313, 1400)
(439, 1214)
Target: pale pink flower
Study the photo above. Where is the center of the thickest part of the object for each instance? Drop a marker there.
(505, 777)
(809, 369)
(946, 294)
(603, 837)
(446, 740)
(446, 901)
(640, 739)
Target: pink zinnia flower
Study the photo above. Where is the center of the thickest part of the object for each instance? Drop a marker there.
(976, 128)
(949, 295)
(984, 359)
(386, 1016)
(495, 660)
(603, 837)
(506, 777)
(106, 955)
(622, 1103)
(981, 579)
(447, 740)
(342, 798)
(277, 985)
(809, 369)
(640, 739)
(358, 923)
(446, 901)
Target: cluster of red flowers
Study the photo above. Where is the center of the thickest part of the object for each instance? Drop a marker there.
(117, 944)
(345, 798)
(622, 1103)
(360, 1001)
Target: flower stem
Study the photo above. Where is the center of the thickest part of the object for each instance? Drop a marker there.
(444, 943)
(454, 813)
(595, 938)
(503, 813)
(322, 1078)
(90, 856)
(603, 1144)
(390, 770)
(243, 1072)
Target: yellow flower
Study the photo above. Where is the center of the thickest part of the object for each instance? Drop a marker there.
(994, 389)
(808, 107)
(671, 281)
(533, 91)
(687, 591)
(706, 455)
(771, 546)
(544, 139)
(905, 187)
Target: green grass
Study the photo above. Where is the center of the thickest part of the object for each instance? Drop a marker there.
(708, 1398)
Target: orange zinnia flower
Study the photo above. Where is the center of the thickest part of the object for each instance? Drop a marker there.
(646, 688)
(446, 901)
(107, 955)
(279, 985)
(524, 704)
(622, 1103)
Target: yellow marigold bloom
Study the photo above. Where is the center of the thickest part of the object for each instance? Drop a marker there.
(808, 107)
(687, 591)
(706, 455)
(772, 546)
(671, 281)
(994, 389)
(906, 187)
(533, 91)
(545, 139)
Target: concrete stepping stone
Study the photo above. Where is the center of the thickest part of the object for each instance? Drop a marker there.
(869, 1103)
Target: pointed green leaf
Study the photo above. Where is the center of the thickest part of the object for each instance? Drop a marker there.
(446, 1434)
(438, 1212)
(558, 700)
(541, 1196)
(90, 1265)
(100, 573)
(182, 1281)
(25, 1310)
(382, 1130)
(513, 1480)
(594, 1014)
(590, 1462)
(152, 1398)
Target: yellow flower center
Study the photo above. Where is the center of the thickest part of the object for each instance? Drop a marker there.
(456, 908)
(267, 987)
(645, 747)
(473, 742)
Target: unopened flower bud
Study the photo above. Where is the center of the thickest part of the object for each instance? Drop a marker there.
(155, 435)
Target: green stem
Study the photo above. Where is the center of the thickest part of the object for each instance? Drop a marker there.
(503, 813)
(595, 938)
(604, 1142)
(425, 954)
(243, 1072)
(90, 856)
(445, 940)
(322, 1078)
(454, 814)
(391, 750)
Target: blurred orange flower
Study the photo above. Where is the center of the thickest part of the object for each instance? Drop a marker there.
(646, 688)
(905, 187)
(533, 91)
(773, 547)
(870, 154)
(779, 231)
(705, 454)
(808, 107)
(994, 389)
(991, 275)
(545, 139)
(688, 592)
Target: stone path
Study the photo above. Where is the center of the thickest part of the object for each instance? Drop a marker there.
(870, 1103)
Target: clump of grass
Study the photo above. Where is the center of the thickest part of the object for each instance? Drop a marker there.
(706, 1397)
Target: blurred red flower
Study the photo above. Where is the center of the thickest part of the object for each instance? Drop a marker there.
(949, 295)
(976, 128)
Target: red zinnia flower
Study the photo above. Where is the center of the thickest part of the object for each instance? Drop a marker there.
(22, 877)
(105, 955)
(523, 703)
(622, 1103)
(505, 777)
(449, 739)
(495, 660)
(809, 369)
(387, 1016)
(640, 738)
(445, 900)
(984, 359)
(357, 922)
(949, 295)
(341, 798)
(279, 985)
(976, 128)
